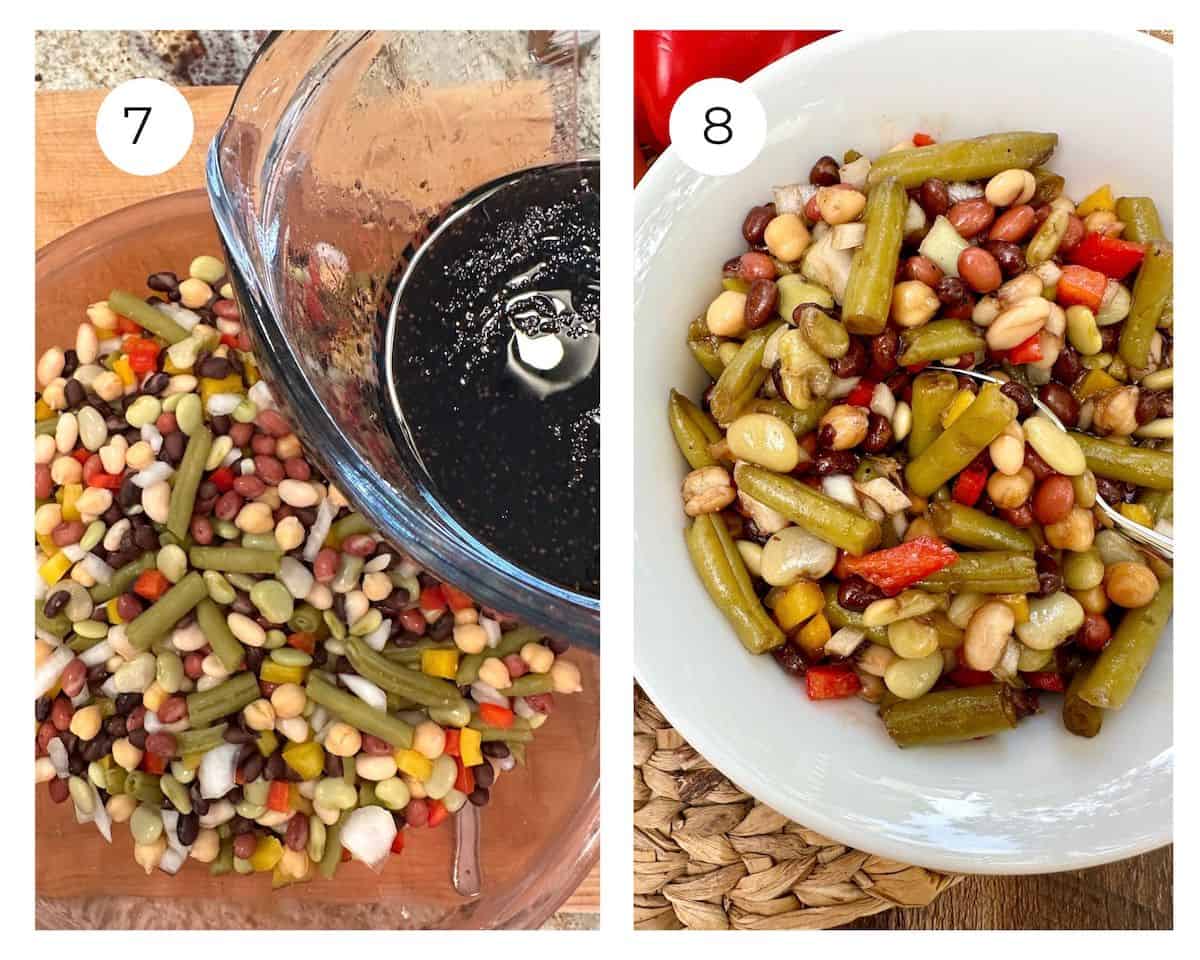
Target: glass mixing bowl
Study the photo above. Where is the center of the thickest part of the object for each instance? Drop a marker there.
(539, 833)
(339, 150)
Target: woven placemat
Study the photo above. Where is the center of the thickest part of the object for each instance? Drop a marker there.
(708, 856)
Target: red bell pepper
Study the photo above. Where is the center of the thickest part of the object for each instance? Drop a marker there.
(1110, 256)
(455, 598)
(437, 812)
(1027, 351)
(303, 640)
(1046, 680)
(831, 682)
(496, 716)
(82, 455)
(222, 479)
(465, 781)
(151, 584)
(398, 842)
(452, 748)
(860, 396)
(1081, 285)
(922, 140)
(432, 600)
(153, 763)
(142, 354)
(109, 481)
(229, 340)
(278, 796)
(966, 677)
(895, 568)
(968, 488)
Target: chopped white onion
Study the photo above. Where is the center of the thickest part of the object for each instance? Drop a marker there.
(368, 833)
(82, 698)
(151, 435)
(109, 687)
(844, 642)
(57, 752)
(847, 236)
(841, 387)
(492, 629)
(485, 693)
(522, 709)
(377, 639)
(217, 770)
(181, 315)
(172, 860)
(793, 197)
(855, 173)
(319, 530)
(100, 814)
(963, 190)
(378, 563)
(231, 457)
(74, 552)
(365, 690)
(841, 487)
(506, 763)
(47, 674)
(156, 472)
(408, 567)
(223, 404)
(260, 393)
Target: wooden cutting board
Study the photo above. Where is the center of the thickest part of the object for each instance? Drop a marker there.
(66, 145)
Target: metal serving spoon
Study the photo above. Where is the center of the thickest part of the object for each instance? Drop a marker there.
(1159, 543)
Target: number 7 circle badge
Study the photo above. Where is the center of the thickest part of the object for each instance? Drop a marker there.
(144, 127)
(718, 126)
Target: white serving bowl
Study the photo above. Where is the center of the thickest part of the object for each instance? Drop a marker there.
(1033, 800)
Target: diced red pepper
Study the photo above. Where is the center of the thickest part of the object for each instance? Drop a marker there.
(456, 599)
(1081, 285)
(278, 795)
(437, 812)
(433, 600)
(895, 568)
(1046, 680)
(125, 325)
(151, 584)
(968, 487)
(1111, 256)
(860, 396)
(1027, 351)
(966, 677)
(153, 763)
(303, 640)
(229, 340)
(452, 748)
(398, 842)
(496, 716)
(918, 367)
(109, 481)
(345, 857)
(222, 479)
(142, 354)
(831, 682)
(82, 455)
(923, 140)
(465, 781)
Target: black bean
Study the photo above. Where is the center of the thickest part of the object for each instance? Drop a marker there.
(854, 363)
(252, 768)
(56, 602)
(879, 434)
(156, 383)
(952, 292)
(1019, 394)
(113, 514)
(95, 748)
(77, 765)
(221, 423)
(70, 363)
(188, 828)
(1061, 402)
(237, 734)
(1068, 366)
(496, 749)
(485, 775)
(126, 703)
(41, 709)
(75, 393)
(1009, 255)
(855, 593)
(828, 462)
(934, 197)
(558, 645)
(215, 367)
(138, 737)
(885, 347)
(789, 658)
(129, 494)
(163, 282)
(144, 537)
(275, 767)
(479, 797)
(240, 825)
(116, 726)
(173, 447)
(1147, 407)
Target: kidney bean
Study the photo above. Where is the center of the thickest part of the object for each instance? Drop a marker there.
(1053, 499)
(375, 747)
(542, 703)
(1068, 366)
(756, 222)
(828, 462)
(1062, 402)
(825, 172)
(73, 677)
(273, 423)
(249, 485)
(359, 545)
(228, 505)
(952, 292)
(1014, 224)
(240, 434)
(173, 709)
(979, 269)
(971, 217)
(201, 530)
(269, 469)
(166, 423)
(263, 444)
(75, 394)
(854, 363)
(1095, 633)
(193, 665)
(1041, 469)
(879, 434)
(296, 836)
(1166, 403)
(934, 197)
(789, 657)
(161, 744)
(1073, 235)
(126, 703)
(43, 484)
(856, 594)
(1021, 516)
(128, 606)
(761, 301)
(1147, 407)
(921, 268)
(755, 265)
(1049, 578)
(61, 712)
(45, 733)
(172, 448)
(244, 844)
(325, 566)
(1008, 256)
(58, 789)
(885, 347)
(1113, 491)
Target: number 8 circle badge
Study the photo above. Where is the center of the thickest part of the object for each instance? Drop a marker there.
(718, 126)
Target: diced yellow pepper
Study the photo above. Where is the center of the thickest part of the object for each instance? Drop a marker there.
(250, 370)
(122, 369)
(963, 399)
(814, 635)
(1018, 603)
(736, 284)
(266, 855)
(54, 569)
(209, 386)
(440, 663)
(268, 741)
(42, 410)
(273, 672)
(46, 542)
(1099, 199)
(1138, 513)
(1093, 382)
(414, 764)
(799, 602)
(470, 747)
(111, 609)
(153, 697)
(307, 759)
(70, 494)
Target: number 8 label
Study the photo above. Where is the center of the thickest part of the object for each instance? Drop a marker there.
(718, 127)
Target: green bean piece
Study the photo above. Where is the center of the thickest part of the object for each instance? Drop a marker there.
(307, 619)
(199, 740)
(706, 355)
(223, 863)
(757, 632)
(974, 528)
(931, 394)
(49, 426)
(954, 449)
(134, 308)
(530, 683)
(814, 510)
(838, 616)
(1160, 503)
(510, 642)
(948, 716)
(940, 340)
(410, 684)
(990, 571)
(1079, 716)
(333, 849)
(79, 643)
(234, 559)
(1048, 185)
(227, 697)
(411, 656)
(694, 430)
(1117, 670)
(1151, 291)
(976, 159)
(57, 626)
(187, 481)
(167, 611)
(349, 525)
(513, 734)
(802, 422)
(144, 787)
(739, 381)
(1154, 469)
(1140, 217)
(1049, 236)
(868, 297)
(358, 713)
(215, 628)
(123, 579)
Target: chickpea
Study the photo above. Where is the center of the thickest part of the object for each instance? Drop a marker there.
(206, 846)
(565, 676)
(1127, 584)
(1009, 492)
(470, 638)
(494, 673)
(726, 316)
(913, 303)
(342, 740)
(1075, 532)
(787, 237)
(288, 699)
(538, 657)
(259, 715)
(125, 754)
(120, 807)
(1115, 412)
(429, 739)
(839, 205)
(709, 490)
(1093, 601)
(377, 586)
(843, 427)
(85, 723)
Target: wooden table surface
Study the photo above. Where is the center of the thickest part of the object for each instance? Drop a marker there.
(76, 183)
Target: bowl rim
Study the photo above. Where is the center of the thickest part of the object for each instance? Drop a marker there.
(646, 194)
